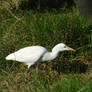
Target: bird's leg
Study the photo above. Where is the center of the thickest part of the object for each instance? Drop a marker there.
(28, 69)
(29, 66)
(37, 67)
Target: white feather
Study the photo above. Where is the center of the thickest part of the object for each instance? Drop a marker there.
(32, 54)
(11, 57)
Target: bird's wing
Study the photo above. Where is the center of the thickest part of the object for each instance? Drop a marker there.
(31, 55)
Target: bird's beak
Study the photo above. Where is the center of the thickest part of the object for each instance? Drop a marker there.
(70, 48)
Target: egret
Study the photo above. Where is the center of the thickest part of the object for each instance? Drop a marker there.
(34, 54)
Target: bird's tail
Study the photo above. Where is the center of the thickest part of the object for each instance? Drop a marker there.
(11, 57)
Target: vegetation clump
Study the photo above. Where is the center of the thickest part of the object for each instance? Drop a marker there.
(20, 28)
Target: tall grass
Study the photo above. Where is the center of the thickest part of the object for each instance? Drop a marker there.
(46, 29)
(19, 29)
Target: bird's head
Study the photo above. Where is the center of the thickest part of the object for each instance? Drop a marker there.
(62, 47)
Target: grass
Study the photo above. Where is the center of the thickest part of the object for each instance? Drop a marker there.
(68, 73)
(32, 82)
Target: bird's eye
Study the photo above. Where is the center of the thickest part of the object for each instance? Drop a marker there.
(64, 46)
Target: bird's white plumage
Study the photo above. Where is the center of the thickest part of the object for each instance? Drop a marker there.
(32, 54)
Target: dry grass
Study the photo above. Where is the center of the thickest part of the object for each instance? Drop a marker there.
(20, 29)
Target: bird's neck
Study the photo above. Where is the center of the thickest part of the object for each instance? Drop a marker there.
(55, 52)
(51, 55)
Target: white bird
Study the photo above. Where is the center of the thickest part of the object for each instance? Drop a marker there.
(34, 54)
